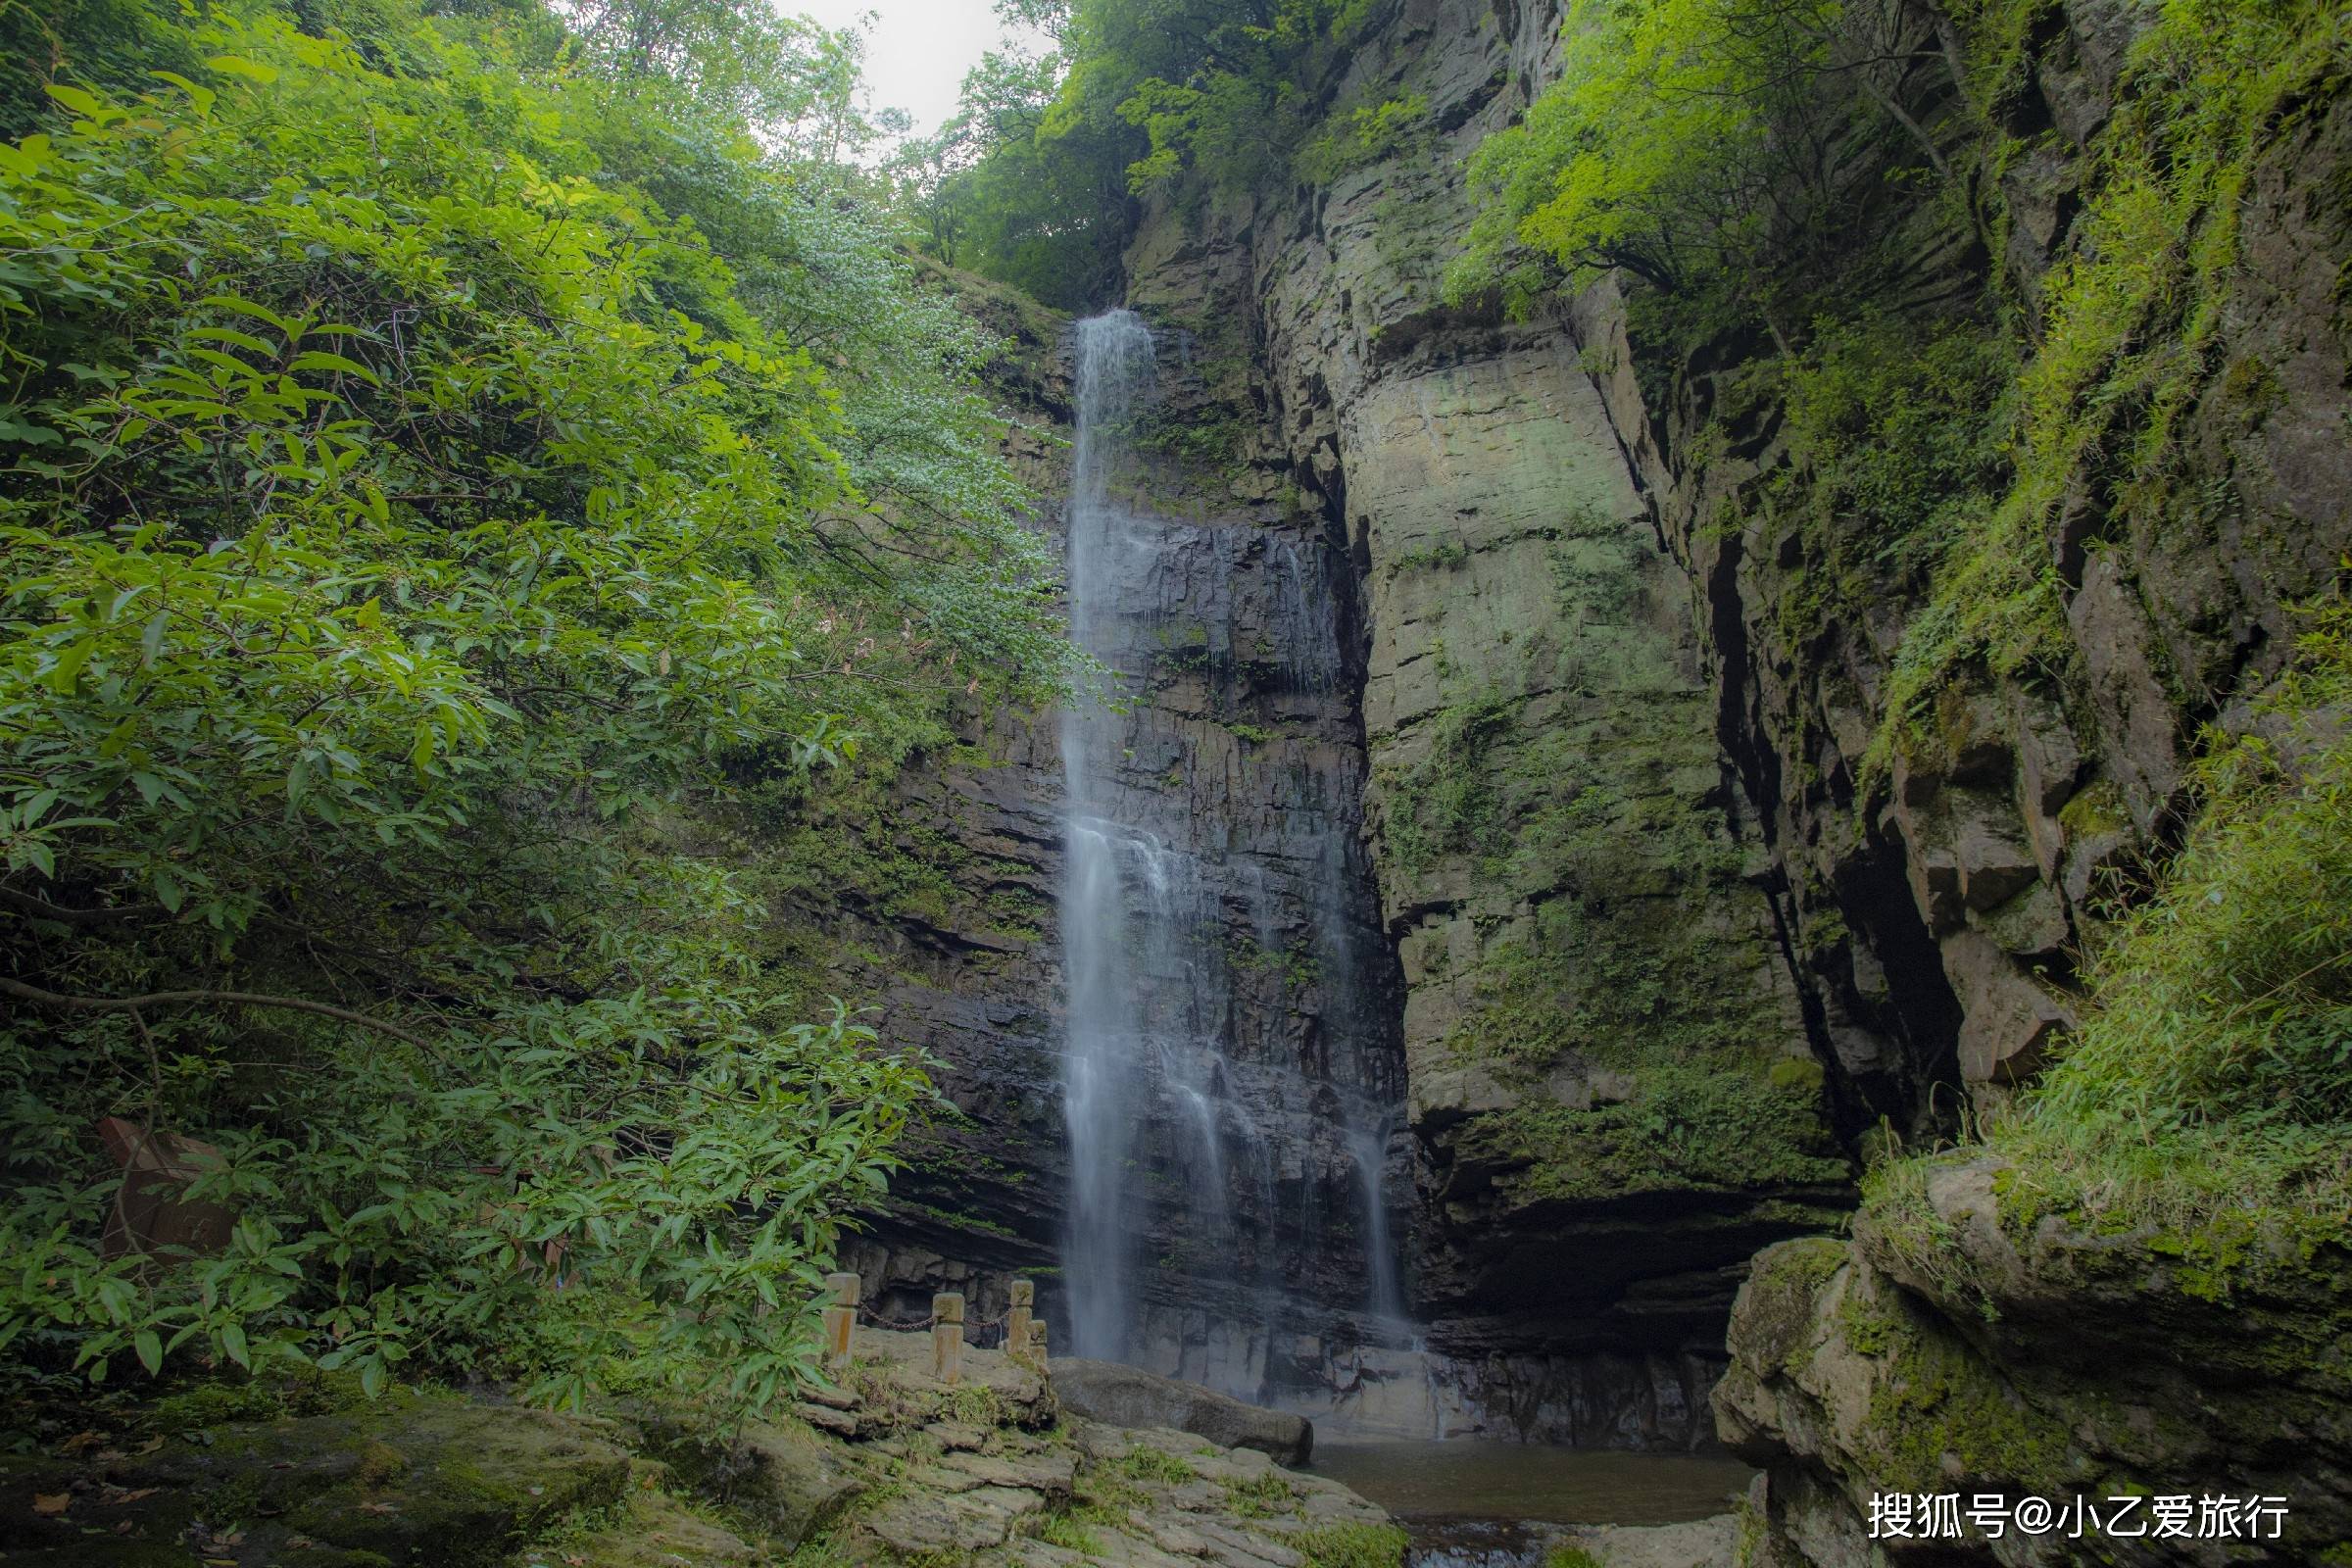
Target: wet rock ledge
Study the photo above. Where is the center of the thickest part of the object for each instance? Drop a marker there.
(891, 1468)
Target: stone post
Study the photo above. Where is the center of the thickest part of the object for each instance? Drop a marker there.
(947, 1337)
(841, 1318)
(1016, 1320)
(1036, 1347)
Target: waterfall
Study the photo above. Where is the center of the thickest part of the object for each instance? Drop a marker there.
(1216, 1137)
(1103, 937)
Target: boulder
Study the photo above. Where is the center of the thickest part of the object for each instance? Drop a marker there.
(408, 1479)
(790, 1482)
(921, 1523)
(1130, 1397)
(1706, 1542)
(2010, 1019)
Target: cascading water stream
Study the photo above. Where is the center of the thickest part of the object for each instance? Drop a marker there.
(1114, 371)
(1214, 1162)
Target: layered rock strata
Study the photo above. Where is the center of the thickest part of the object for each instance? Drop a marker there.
(1611, 1087)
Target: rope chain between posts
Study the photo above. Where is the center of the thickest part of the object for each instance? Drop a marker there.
(880, 1319)
(901, 1325)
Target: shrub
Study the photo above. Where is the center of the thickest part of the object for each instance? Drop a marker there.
(2208, 1091)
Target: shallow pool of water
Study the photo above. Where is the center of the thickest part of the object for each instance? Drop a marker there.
(1483, 1504)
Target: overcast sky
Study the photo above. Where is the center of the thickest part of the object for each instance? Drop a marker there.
(917, 52)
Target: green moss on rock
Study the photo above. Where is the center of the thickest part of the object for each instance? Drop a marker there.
(1941, 1412)
(411, 1478)
(651, 1530)
(1715, 1123)
(1776, 1315)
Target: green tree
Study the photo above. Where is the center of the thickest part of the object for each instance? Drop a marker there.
(1695, 140)
(438, 483)
(1021, 194)
(1034, 183)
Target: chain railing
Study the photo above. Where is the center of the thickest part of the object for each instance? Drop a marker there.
(1023, 1336)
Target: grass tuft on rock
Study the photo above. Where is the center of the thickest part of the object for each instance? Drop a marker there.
(2207, 1097)
(1352, 1545)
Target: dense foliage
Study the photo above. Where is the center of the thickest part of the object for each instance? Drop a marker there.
(1698, 141)
(448, 459)
(1035, 180)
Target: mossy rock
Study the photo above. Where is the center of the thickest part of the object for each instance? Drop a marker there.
(654, 1531)
(1775, 1316)
(1943, 1415)
(1350, 1546)
(781, 1478)
(221, 1401)
(412, 1479)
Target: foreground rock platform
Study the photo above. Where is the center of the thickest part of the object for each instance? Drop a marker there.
(888, 1469)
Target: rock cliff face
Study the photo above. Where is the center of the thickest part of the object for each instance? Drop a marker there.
(1947, 905)
(2021, 1356)
(1610, 1084)
(1681, 933)
(1680, 927)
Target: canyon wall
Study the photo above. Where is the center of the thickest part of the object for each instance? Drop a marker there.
(1692, 923)
(1690, 926)
(1612, 1091)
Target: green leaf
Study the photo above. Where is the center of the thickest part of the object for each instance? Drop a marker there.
(202, 98)
(319, 360)
(66, 673)
(24, 161)
(82, 102)
(151, 1349)
(31, 435)
(239, 65)
(229, 334)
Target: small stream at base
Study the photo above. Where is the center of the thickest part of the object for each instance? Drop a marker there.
(1487, 1504)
